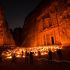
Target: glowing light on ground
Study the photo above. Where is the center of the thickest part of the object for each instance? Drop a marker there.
(21, 52)
(7, 54)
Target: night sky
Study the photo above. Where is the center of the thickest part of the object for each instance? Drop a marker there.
(17, 10)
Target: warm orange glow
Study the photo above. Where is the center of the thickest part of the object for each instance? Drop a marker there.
(5, 34)
(53, 21)
(20, 52)
(43, 49)
(9, 57)
(7, 54)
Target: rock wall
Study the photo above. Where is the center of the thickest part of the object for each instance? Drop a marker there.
(48, 24)
(5, 34)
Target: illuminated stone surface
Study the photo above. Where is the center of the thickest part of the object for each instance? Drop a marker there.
(48, 24)
(5, 34)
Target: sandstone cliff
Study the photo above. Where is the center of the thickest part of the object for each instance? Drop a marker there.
(48, 24)
(6, 38)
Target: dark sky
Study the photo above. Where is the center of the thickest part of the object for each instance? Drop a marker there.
(17, 10)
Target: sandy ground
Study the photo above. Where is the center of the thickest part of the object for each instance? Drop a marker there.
(41, 64)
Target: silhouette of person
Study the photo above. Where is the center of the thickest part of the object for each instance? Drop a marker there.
(14, 58)
(31, 57)
(39, 54)
(26, 57)
(1, 50)
(50, 56)
(22, 53)
(59, 53)
(0, 58)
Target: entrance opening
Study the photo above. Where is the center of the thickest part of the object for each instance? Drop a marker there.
(52, 39)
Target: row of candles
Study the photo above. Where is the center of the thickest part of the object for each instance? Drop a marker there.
(21, 52)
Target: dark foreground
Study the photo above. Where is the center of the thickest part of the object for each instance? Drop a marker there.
(43, 66)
